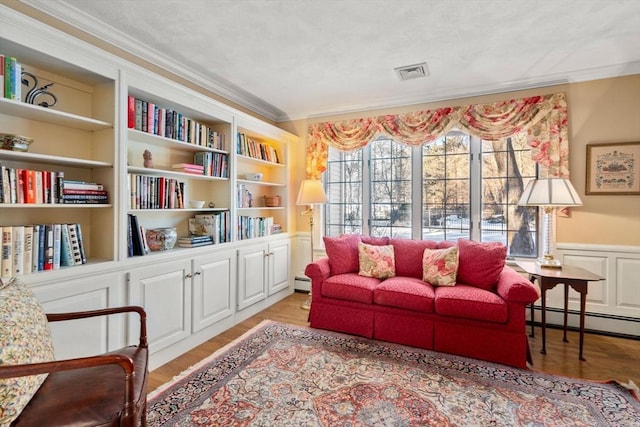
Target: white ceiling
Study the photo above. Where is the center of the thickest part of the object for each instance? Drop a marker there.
(290, 59)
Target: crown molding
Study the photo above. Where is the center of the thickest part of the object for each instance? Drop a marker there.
(70, 15)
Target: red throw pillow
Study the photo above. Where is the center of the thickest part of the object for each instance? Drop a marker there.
(480, 263)
(343, 253)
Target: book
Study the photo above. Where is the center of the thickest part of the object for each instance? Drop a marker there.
(36, 248)
(7, 251)
(136, 236)
(81, 244)
(66, 252)
(70, 191)
(75, 244)
(131, 112)
(80, 185)
(194, 245)
(48, 247)
(42, 246)
(17, 254)
(28, 249)
(29, 182)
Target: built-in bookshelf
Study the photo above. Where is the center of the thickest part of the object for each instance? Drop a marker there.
(73, 138)
(177, 154)
(261, 184)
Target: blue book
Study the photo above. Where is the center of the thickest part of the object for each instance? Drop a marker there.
(41, 246)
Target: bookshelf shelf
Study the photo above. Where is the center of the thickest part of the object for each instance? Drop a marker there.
(172, 173)
(164, 142)
(51, 116)
(260, 183)
(53, 160)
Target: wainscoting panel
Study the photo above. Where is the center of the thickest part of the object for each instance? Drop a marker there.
(613, 304)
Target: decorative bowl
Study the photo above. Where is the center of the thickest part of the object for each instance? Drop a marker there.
(253, 176)
(196, 204)
(161, 239)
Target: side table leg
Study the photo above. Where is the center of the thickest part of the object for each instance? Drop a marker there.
(566, 311)
(544, 320)
(583, 301)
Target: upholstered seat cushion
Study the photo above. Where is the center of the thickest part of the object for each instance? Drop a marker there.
(86, 396)
(405, 292)
(469, 302)
(350, 287)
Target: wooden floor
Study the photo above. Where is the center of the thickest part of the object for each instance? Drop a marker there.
(607, 357)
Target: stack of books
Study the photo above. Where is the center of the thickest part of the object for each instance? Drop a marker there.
(83, 192)
(188, 168)
(192, 241)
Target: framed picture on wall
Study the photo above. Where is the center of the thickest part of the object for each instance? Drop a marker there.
(613, 168)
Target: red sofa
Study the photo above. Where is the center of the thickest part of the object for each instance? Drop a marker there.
(482, 316)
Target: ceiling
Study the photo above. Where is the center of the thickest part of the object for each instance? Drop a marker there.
(292, 59)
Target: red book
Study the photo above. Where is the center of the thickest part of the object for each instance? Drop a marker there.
(131, 112)
(29, 181)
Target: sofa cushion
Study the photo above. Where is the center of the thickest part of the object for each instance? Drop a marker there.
(405, 292)
(409, 255)
(350, 287)
(469, 302)
(343, 253)
(376, 261)
(440, 266)
(480, 263)
(24, 338)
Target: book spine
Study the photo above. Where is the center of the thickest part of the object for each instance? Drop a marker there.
(7, 250)
(49, 245)
(66, 252)
(57, 245)
(42, 246)
(36, 248)
(28, 249)
(131, 112)
(81, 244)
(18, 250)
(75, 244)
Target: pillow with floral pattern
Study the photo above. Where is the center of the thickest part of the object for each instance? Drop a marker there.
(440, 266)
(376, 261)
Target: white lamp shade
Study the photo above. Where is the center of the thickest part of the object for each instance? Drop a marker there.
(550, 192)
(311, 192)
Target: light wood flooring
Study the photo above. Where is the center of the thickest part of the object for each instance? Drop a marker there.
(607, 357)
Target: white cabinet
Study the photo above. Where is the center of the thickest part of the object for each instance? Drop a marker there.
(164, 290)
(86, 337)
(263, 270)
(214, 280)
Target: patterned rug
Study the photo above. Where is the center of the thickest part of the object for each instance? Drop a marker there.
(284, 375)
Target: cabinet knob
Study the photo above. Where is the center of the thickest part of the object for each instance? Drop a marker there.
(197, 273)
(188, 276)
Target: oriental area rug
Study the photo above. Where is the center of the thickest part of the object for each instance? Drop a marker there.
(284, 375)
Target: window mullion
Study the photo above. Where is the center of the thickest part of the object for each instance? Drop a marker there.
(475, 176)
(366, 190)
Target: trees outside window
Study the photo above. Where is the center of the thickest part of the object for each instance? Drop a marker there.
(457, 186)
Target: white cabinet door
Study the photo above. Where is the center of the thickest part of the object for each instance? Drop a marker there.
(279, 265)
(164, 290)
(252, 280)
(85, 337)
(214, 277)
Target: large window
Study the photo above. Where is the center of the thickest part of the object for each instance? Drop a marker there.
(457, 186)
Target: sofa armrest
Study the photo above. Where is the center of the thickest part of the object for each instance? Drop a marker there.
(512, 287)
(318, 271)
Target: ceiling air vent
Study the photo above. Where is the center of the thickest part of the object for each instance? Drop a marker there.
(414, 71)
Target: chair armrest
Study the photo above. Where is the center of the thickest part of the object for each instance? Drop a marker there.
(318, 269)
(57, 317)
(512, 287)
(10, 371)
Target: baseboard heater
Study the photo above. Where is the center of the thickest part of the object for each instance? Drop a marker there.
(302, 283)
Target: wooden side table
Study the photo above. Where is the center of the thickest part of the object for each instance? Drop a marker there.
(571, 276)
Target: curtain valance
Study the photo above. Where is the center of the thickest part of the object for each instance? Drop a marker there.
(543, 118)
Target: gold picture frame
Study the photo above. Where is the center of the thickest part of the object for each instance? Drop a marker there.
(613, 168)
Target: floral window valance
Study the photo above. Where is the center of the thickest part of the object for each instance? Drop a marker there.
(543, 118)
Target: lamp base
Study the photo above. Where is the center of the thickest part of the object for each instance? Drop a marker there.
(307, 304)
(548, 261)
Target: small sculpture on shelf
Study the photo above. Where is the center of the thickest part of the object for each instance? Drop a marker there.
(148, 159)
(31, 82)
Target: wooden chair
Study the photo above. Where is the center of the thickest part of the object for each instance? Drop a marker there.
(104, 390)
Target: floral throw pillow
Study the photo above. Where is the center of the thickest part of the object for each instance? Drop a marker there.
(440, 266)
(376, 261)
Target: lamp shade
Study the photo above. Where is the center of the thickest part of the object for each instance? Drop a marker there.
(550, 192)
(311, 192)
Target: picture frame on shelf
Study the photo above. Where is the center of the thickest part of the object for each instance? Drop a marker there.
(613, 168)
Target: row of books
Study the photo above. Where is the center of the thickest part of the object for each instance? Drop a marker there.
(214, 164)
(244, 197)
(252, 227)
(137, 244)
(10, 76)
(155, 192)
(29, 186)
(249, 147)
(31, 248)
(217, 225)
(148, 117)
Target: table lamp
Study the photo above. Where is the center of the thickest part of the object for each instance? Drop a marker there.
(549, 194)
(311, 193)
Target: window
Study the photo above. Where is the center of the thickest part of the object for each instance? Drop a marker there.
(457, 186)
